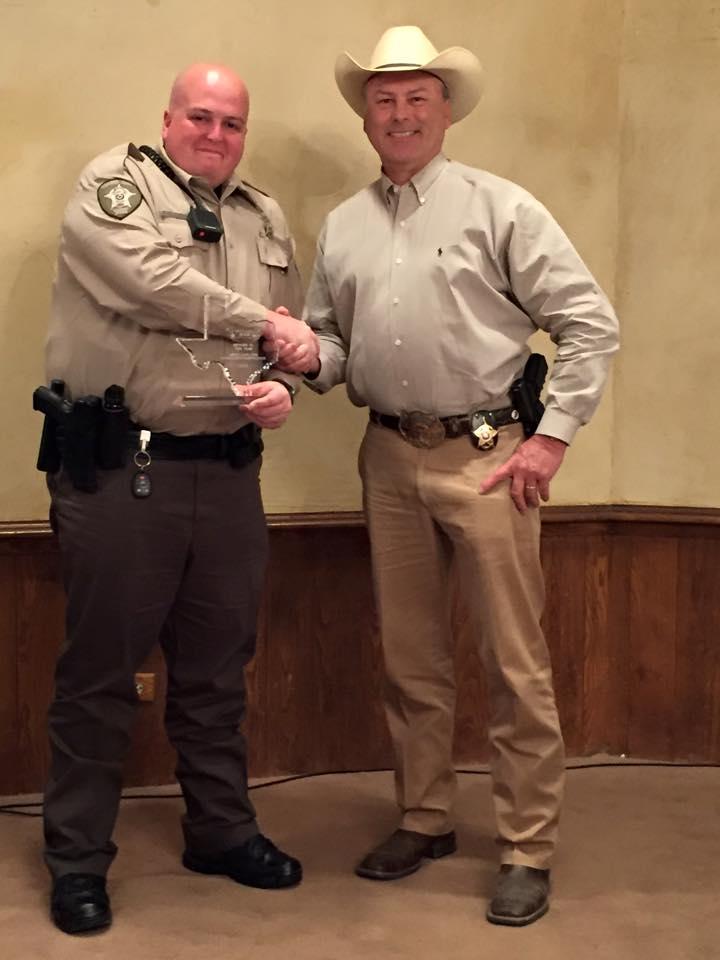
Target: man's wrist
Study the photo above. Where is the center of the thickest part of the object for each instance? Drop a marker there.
(551, 441)
(292, 390)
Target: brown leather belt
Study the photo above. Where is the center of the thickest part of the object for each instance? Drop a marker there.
(426, 430)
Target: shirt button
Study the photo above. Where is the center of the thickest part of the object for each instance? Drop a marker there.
(396, 300)
(398, 260)
(402, 223)
(398, 342)
(422, 199)
(404, 383)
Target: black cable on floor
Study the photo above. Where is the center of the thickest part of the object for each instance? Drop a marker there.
(16, 809)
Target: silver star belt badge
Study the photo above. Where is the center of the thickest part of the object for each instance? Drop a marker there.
(484, 433)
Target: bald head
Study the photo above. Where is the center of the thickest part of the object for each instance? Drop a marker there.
(205, 123)
(206, 76)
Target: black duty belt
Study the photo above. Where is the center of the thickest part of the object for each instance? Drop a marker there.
(239, 448)
(426, 430)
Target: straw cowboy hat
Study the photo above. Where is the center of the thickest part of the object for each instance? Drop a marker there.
(407, 48)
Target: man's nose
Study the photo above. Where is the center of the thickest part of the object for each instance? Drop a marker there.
(400, 111)
(215, 130)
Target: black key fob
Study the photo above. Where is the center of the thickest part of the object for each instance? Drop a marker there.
(141, 485)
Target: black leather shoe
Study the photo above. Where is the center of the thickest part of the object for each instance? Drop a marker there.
(257, 863)
(403, 853)
(79, 903)
(521, 896)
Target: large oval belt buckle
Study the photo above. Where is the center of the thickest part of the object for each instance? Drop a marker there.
(420, 429)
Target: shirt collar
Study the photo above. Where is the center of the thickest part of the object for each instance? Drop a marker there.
(198, 183)
(423, 179)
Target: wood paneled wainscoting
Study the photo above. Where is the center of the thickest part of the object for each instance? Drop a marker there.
(632, 618)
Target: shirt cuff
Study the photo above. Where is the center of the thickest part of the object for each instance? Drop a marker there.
(556, 423)
(320, 381)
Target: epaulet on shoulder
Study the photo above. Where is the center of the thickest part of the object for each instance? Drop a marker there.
(256, 189)
(132, 151)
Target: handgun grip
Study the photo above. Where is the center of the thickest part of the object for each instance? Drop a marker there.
(52, 404)
(535, 371)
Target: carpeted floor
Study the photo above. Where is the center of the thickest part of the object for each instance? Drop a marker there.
(637, 876)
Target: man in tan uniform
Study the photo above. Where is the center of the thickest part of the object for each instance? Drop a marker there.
(426, 287)
(180, 556)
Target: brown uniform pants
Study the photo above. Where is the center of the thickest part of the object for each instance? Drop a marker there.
(184, 567)
(424, 512)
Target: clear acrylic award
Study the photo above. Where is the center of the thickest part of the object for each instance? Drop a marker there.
(229, 363)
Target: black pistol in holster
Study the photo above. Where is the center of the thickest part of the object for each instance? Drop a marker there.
(525, 393)
(89, 431)
(69, 434)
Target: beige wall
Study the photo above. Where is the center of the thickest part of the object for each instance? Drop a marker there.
(599, 107)
(667, 387)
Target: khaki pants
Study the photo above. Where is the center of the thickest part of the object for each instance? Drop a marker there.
(424, 512)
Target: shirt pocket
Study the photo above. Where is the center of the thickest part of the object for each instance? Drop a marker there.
(176, 232)
(468, 263)
(274, 252)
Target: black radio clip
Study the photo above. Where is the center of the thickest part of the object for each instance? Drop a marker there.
(204, 224)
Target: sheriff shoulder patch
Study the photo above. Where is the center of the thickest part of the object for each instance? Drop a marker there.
(118, 198)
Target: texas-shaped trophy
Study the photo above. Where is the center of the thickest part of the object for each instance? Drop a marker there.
(227, 363)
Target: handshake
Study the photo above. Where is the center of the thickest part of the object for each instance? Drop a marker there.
(292, 342)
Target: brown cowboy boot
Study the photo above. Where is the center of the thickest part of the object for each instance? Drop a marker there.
(403, 853)
(521, 896)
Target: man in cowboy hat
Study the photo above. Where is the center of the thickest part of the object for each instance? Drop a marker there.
(426, 288)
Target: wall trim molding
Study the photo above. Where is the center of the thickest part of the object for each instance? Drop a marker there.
(579, 513)
(631, 513)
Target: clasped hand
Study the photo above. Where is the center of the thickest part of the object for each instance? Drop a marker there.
(291, 342)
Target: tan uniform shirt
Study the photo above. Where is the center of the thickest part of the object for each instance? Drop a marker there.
(424, 297)
(132, 279)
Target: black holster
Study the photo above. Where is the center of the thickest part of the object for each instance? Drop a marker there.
(525, 393)
(82, 434)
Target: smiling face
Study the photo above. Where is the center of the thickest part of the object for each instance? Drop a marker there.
(205, 124)
(406, 117)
